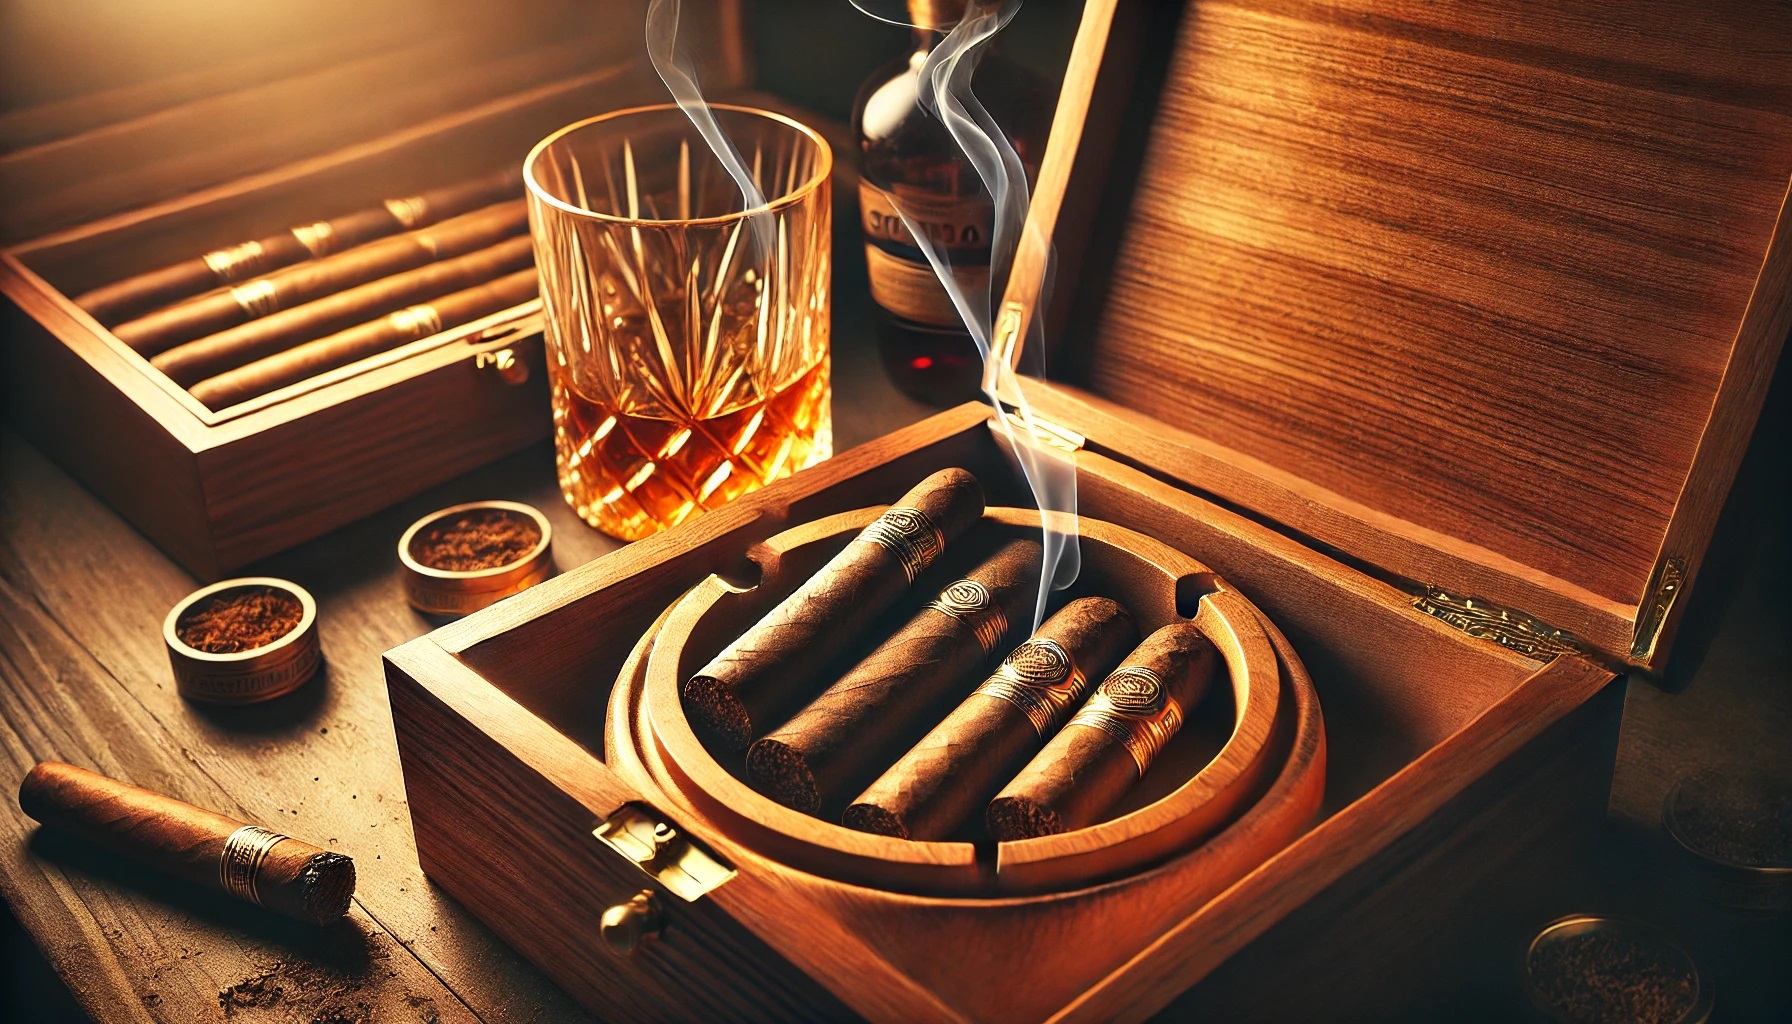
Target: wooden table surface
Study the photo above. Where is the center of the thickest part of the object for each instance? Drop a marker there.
(84, 678)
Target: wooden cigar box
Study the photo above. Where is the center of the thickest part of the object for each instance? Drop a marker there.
(1435, 331)
(354, 104)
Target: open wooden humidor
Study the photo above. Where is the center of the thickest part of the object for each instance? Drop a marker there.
(371, 105)
(1435, 333)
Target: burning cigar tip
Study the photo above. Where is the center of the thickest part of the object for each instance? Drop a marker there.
(326, 886)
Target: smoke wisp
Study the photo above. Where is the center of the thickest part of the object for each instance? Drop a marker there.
(676, 70)
(946, 94)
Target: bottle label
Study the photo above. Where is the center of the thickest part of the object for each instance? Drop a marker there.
(960, 225)
(909, 289)
(902, 281)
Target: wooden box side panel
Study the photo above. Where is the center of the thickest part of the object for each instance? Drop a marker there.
(401, 432)
(1362, 946)
(518, 852)
(1480, 267)
(73, 410)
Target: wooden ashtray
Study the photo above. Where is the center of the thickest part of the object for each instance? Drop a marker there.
(1190, 794)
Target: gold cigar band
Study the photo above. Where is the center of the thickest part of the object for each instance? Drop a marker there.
(257, 298)
(234, 263)
(1041, 679)
(1134, 707)
(239, 866)
(969, 602)
(416, 321)
(319, 238)
(908, 534)
(410, 211)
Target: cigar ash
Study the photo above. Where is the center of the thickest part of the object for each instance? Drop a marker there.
(239, 620)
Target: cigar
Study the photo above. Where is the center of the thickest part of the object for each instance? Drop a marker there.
(1088, 766)
(287, 289)
(344, 347)
(195, 361)
(944, 779)
(250, 863)
(770, 668)
(887, 701)
(114, 303)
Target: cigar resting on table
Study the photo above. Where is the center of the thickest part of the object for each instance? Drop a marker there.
(944, 780)
(250, 863)
(778, 662)
(121, 300)
(311, 358)
(195, 361)
(1111, 741)
(286, 289)
(882, 705)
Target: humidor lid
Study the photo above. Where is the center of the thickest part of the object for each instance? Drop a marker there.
(1483, 297)
(113, 106)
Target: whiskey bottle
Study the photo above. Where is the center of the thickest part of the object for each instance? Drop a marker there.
(910, 161)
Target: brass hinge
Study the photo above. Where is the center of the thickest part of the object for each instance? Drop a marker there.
(1510, 628)
(680, 863)
(1664, 588)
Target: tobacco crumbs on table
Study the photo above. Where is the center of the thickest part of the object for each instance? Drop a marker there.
(1605, 977)
(239, 620)
(479, 539)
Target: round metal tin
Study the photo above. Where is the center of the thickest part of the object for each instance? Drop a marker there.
(451, 592)
(245, 677)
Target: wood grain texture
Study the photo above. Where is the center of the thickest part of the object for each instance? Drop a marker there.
(325, 752)
(133, 945)
(509, 813)
(1406, 745)
(1481, 273)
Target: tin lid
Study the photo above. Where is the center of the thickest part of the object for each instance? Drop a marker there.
(244, 676)
(452, 585)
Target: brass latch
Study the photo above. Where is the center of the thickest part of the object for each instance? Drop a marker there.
(505, 364)
(680, 863)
